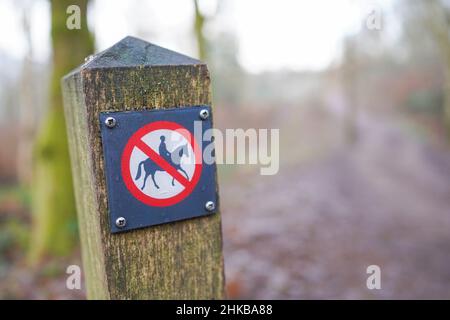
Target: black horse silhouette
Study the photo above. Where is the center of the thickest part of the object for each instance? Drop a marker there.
(174, 160)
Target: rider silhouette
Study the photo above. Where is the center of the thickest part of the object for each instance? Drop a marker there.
(163, 152)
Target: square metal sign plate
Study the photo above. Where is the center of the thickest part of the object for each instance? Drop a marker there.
(155, 170)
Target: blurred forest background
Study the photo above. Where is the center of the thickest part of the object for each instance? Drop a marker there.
(360, 93)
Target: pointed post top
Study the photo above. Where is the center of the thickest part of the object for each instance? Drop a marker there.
(134, 52)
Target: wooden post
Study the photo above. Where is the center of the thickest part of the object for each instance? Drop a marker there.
(181, 260)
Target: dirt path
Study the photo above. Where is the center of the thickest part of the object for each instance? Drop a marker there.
(311, 231)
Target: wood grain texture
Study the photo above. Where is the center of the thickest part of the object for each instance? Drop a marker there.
(180, 260)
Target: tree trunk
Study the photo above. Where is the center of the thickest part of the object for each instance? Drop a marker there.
(350, 81)
(54, 215)
(198, 28)
(439, 25)
(27, 112)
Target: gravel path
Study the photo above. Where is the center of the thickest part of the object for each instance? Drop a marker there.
(311, 231)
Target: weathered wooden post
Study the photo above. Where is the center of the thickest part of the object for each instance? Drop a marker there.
(110, 104)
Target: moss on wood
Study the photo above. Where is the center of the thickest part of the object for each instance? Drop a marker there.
(180, 260)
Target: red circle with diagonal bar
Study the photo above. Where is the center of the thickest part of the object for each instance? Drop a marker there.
(136, 141)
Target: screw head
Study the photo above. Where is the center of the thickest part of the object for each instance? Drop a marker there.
(110, 122)
(204, 114)
(210, 205)
(121, 222)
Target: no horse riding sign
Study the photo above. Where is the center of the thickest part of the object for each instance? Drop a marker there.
(155, 171)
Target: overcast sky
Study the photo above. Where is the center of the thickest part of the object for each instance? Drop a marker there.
(271, 34)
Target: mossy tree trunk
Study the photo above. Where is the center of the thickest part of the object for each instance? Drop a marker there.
(54, 215)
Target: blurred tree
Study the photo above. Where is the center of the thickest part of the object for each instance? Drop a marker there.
(439, 20)
(436, 17)
(350, 83)
(198, 28)
(54, 216)
(27, 112)
(229, 79)
(221, 54)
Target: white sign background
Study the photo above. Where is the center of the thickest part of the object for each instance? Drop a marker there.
(163, 179)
